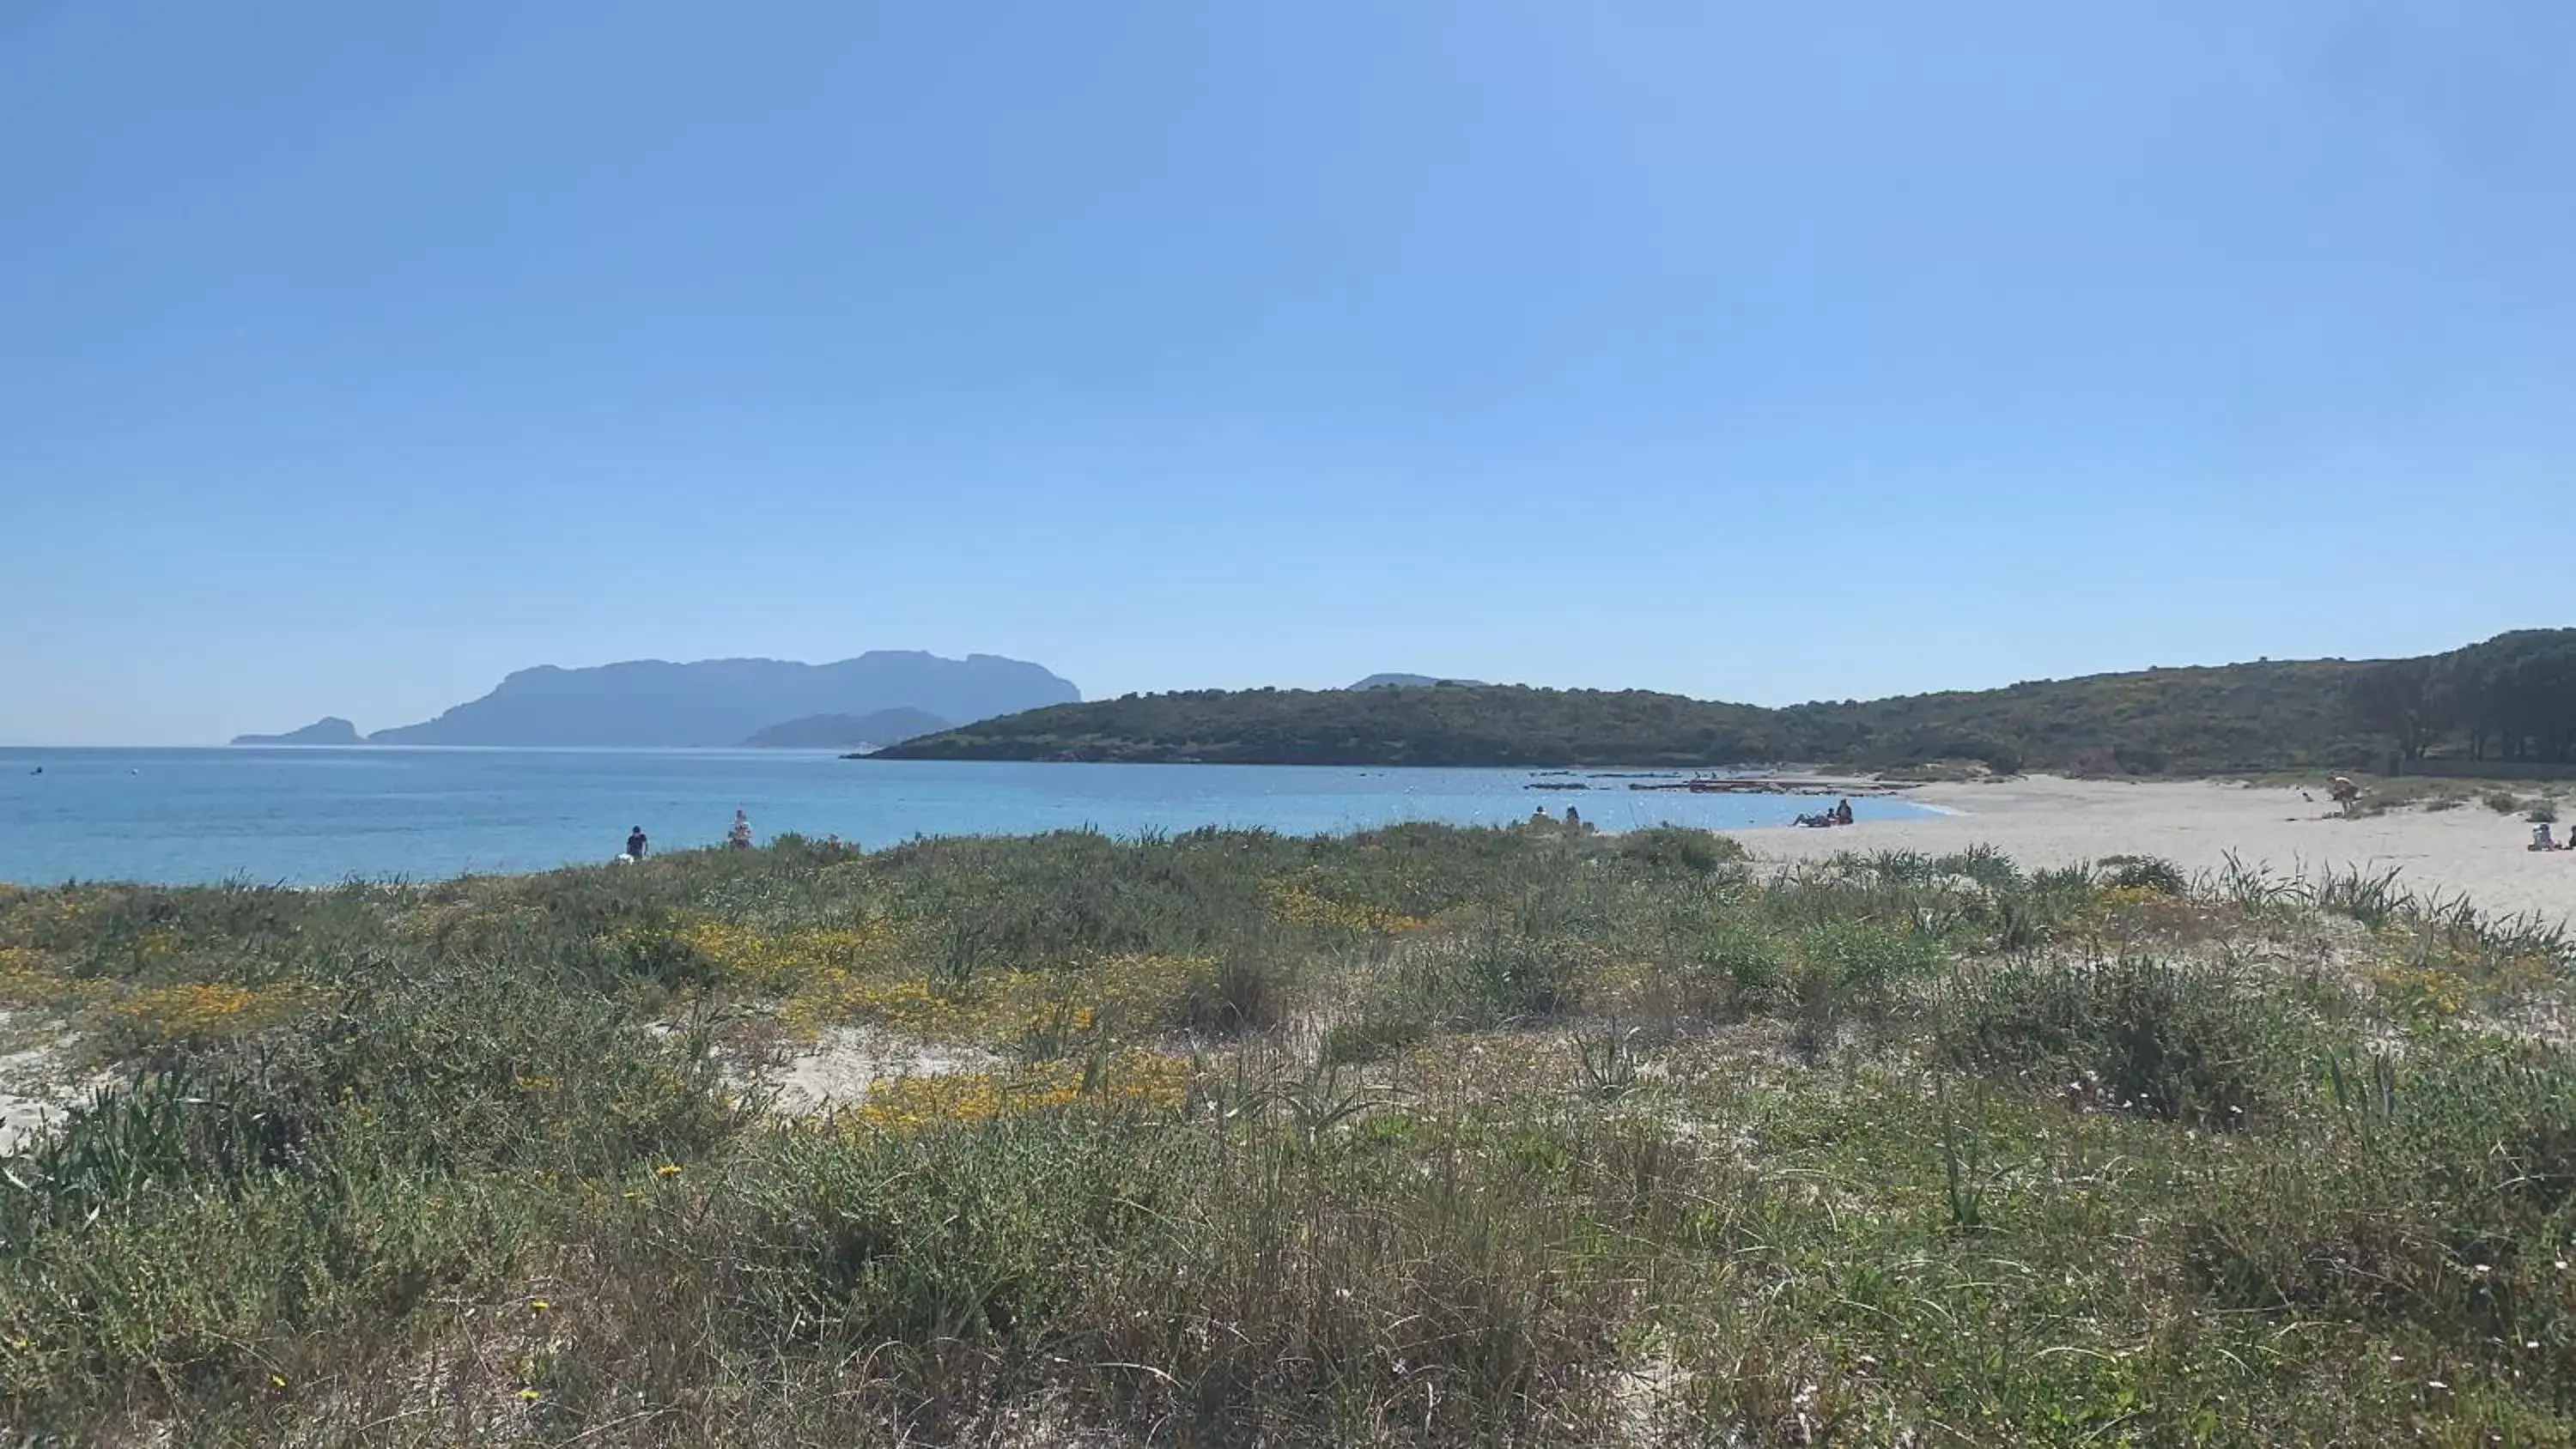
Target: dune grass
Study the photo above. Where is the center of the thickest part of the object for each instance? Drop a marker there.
(1424, 1135)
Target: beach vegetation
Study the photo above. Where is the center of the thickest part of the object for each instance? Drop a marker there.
(1418, 1136)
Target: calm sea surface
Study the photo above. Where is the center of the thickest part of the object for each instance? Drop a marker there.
(310, 816)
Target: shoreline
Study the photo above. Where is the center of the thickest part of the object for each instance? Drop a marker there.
(2040, 821)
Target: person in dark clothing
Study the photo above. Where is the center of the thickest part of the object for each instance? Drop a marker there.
(1842, 813)
(635, 843)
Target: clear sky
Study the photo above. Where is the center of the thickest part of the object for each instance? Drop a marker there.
(352, 355)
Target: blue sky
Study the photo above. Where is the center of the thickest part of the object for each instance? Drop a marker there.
(354, 355)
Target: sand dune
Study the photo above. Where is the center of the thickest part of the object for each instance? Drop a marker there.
(2047, 821)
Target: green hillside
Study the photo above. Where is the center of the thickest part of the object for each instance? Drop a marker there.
(2512, 697)
(1438, 725)
(2273, 715)
(2246, 716)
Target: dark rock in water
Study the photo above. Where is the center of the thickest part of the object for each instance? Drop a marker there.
(328, 730)
(722, 702)
(849, 731)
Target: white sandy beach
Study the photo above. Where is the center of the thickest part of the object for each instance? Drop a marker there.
(2044, 821)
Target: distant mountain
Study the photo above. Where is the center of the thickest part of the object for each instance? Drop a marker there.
(1413, 681)
(328, 730)
(722, 702)
(849, 731)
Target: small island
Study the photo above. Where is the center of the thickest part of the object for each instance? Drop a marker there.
(328, 730)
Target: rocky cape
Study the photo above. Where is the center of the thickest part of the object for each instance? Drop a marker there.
(328, 730)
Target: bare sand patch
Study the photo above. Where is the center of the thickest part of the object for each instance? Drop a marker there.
(37, 1088)
(845, 1063)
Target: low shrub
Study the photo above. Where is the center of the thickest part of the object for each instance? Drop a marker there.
(1851, 971)
(2146, 873)
(1241, 990)
(2437, 1193)
(1371, 1039)
(1738, 970)
(959, 1236)
(1985, 865)
(1679, 848)
(2198, 1045)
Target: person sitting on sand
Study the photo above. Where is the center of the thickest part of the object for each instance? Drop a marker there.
(1842, 813)
(1573, 818)
(739, 837)
(635, 843)
(2540, 838)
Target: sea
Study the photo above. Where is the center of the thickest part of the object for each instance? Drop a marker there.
(306, 816)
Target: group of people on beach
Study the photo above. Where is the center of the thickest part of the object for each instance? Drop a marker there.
(1574, 821)
(738, 837)
(1841, 814)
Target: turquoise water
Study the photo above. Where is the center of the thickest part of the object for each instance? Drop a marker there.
(306, 816)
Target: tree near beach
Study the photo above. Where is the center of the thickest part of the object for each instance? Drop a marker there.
(2514, 696)
(2398, 699)
(2510, 698)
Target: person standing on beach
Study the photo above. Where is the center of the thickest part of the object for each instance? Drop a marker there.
(739, 837)
(635, 843)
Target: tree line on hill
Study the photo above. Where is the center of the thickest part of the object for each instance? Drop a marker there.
(2513, 697)
(2510, 698)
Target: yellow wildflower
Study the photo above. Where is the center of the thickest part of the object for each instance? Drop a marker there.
(198, 1011)
(1300, 905)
